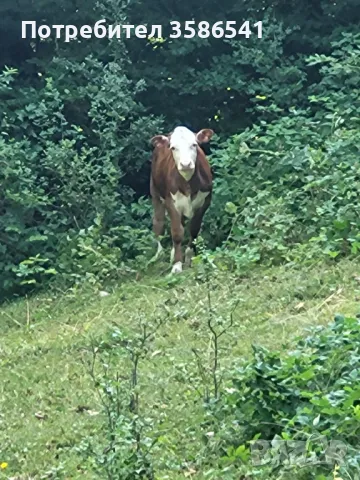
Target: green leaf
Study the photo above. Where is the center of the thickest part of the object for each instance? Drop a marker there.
(230, 208)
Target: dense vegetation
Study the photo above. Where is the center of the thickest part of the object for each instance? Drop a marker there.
(76, 119)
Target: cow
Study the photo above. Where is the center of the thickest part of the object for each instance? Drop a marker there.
(181, 185)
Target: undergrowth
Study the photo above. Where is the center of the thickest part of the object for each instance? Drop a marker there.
(157, 379)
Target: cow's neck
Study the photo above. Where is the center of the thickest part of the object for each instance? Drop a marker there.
(187, 176)
(189, 187)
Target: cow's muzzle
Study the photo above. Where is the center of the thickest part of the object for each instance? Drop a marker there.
(186, 168)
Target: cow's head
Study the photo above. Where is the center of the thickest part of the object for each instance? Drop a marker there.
(184, 146)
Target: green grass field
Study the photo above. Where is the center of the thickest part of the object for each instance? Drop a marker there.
(49, 404)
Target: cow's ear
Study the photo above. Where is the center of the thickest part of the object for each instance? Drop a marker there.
(204, 135)
(160, 141)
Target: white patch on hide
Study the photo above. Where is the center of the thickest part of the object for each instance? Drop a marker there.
(187, 207)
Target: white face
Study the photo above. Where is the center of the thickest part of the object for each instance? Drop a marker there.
(183, 144)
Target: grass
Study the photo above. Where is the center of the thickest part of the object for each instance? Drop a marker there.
(48, 402)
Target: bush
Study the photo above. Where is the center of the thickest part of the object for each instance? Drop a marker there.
(59, 180)
(310, 395)
(290, 188)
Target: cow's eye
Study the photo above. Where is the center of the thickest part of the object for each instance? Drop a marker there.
(194, 145)
(172, 148)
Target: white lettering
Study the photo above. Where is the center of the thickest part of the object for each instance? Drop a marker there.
(114, 30)
(47, 31)
(190, 29)
(220, 29)
(204, 30)
(245, 29)
(97, 27)
(217, 31)
(259, 27)
(85, 31)
(141, 31)
(153, 29)
(232, 29)
(177, 29)
(70, 32)
(58, 28)
(33, 29)
(128, 28)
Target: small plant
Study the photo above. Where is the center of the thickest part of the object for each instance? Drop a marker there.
(123, 449)
(217, 325)
(34, 270)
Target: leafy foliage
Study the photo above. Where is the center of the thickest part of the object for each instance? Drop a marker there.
(60, 149)
(290, 186)
(310, 395)
(77, 117)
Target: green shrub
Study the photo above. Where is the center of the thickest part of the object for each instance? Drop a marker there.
(289, 188)
(58, 180)
(311, 395)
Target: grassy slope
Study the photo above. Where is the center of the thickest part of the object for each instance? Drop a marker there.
(42, 343)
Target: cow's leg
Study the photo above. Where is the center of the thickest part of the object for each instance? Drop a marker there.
(177, 235)
(195, 226)
(172, 254)
(158, 222)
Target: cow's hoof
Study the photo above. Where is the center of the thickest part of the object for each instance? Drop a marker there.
(177, 268)
(189, 253)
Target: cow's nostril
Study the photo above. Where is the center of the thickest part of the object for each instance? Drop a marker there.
(186, 166)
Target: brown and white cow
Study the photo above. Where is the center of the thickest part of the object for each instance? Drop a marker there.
(181, 185)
